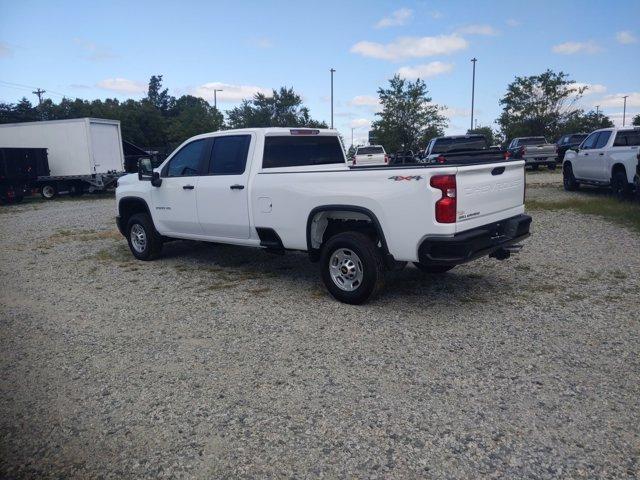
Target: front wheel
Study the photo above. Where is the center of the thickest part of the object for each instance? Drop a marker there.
(425, 267)
(48, 191)
(352, 268)
(144, 241)
(568, 179)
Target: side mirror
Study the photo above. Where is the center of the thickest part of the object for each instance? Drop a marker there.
(145, 169)
(156, 181)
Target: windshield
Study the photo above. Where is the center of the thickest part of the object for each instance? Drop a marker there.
(369, 150)
(443, 145)
(532, 141)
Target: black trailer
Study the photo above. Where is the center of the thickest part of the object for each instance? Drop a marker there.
(19, 172)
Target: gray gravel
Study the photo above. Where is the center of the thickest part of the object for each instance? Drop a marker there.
(220, 361)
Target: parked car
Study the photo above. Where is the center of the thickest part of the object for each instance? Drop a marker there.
(291, 189)
(607, 158)
(402, 157)
(535, 151)
(371, 155)
(460, 149)
(569, 142)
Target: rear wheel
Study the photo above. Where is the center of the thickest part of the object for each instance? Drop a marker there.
(620, 186)
(145, 243)
(48, 191)
(352, 268)
(568, 179)
(534, 166)
(425, 267)
(551, 166)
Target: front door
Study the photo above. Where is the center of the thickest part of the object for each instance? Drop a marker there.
(223, 191)
(581, 165)
(596, 166)
(174, 201)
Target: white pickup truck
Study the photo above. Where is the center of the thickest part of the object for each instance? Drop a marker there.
(607, 157)
(291, 189)
(370, 155)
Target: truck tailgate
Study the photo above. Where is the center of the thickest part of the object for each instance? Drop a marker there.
(489, 193)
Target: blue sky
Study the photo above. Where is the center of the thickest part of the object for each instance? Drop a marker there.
(111, 48)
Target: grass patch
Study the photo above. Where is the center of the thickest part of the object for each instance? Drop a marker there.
(622, 213)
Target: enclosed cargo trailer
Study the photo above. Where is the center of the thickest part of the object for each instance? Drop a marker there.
(85, 154)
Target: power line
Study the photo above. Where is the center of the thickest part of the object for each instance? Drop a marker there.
(21, 86)
(38, 92)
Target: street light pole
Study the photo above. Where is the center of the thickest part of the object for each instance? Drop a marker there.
(473, 88)
(352, 136)
(597, 111)
(332, 70)
(624, 110)
(215, 97)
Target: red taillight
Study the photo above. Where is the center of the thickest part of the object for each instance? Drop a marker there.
(507, 155)
(303, 131)
(441, 159)
(354, 160)
(446, 206)
(386, 158)
(522, 151)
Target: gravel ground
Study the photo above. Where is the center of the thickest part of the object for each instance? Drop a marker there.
(219, 361)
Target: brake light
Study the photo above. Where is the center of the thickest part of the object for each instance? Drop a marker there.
(354, 160)
(507, 155)
(386, 158)
(303, 131)
(521, 151)
(446, 205)
(441, 159)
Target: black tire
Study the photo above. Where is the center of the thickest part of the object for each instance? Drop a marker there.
(371, 266)
(568, 179)
(534, 166)
(48, 191)
(426, 268)
(620, 186)
(551, 166)
(149, 242)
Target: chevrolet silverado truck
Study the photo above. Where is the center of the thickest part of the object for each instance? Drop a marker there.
(606, 158)
(460, 149)
(371, 155)
(291, 189)
(535, 151)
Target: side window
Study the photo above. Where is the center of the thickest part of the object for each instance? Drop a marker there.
(603, 139)
(298, 151)
(229, 155)
(186, 163)
(621, 140)
(590, 141)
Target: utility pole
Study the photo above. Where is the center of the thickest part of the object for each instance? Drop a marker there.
(597, 111)
(352, 136)
(332, 70)
(473, 88)
(624, 110)
(39, 92)
(215, 97)
(476, 127)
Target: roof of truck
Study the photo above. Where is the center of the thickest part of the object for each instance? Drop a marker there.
(66, 120)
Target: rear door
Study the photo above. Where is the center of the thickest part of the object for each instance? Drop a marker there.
(488, 193)
(106, 147)
(223, 192)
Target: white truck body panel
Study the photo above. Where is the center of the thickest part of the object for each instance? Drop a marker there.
(75, 147)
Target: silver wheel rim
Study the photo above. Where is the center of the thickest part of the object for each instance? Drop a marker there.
(138, 238)
(345, 268)
(48, 191)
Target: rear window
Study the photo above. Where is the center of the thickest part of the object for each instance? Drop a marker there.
(298, 151)
(630, 138)
(443, 145)
(369, 151)
(532, 141)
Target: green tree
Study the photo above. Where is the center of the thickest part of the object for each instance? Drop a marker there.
(283, 108)
(636, 120)
(581, 122)
(486, 131)
(539, 105)
(157, 97)
(192, 116)
(408, 119)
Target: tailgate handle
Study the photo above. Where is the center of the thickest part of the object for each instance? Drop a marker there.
(497, 171)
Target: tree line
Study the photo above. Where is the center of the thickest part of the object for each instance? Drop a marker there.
(538, 105)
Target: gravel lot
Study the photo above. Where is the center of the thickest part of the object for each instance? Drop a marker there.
(220, 361)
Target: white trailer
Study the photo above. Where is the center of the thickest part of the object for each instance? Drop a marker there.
(85, 154)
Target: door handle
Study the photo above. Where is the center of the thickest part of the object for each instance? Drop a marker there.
(586, 154)
(601, 154)
(188, 187)
(236, 187)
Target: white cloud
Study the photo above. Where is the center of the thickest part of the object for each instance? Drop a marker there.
(617, 117)
(625, 37)
(411, 47)
(590, 87)
(396, 19)
(260, 42)
(365, 101)
(569, 48)
(424, 71)
(454, 112)
(616, 100)
(229, 93)
(122, 85)
(478, 30)
(360, 123)
(5, 50)
(94, 51)
(512, 22)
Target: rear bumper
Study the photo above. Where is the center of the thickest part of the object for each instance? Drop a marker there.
(478, 242)
(544, 160)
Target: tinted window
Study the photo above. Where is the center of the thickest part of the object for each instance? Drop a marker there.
(186, 162)
(627, 139)
(229, 155)
(443, 145)
(576, 138)
(369, 150)
(563, 140)
(292, 151)
(590, 141)
(532, 141)
(602, 139)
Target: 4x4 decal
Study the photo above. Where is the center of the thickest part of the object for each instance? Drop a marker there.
(399, 178)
